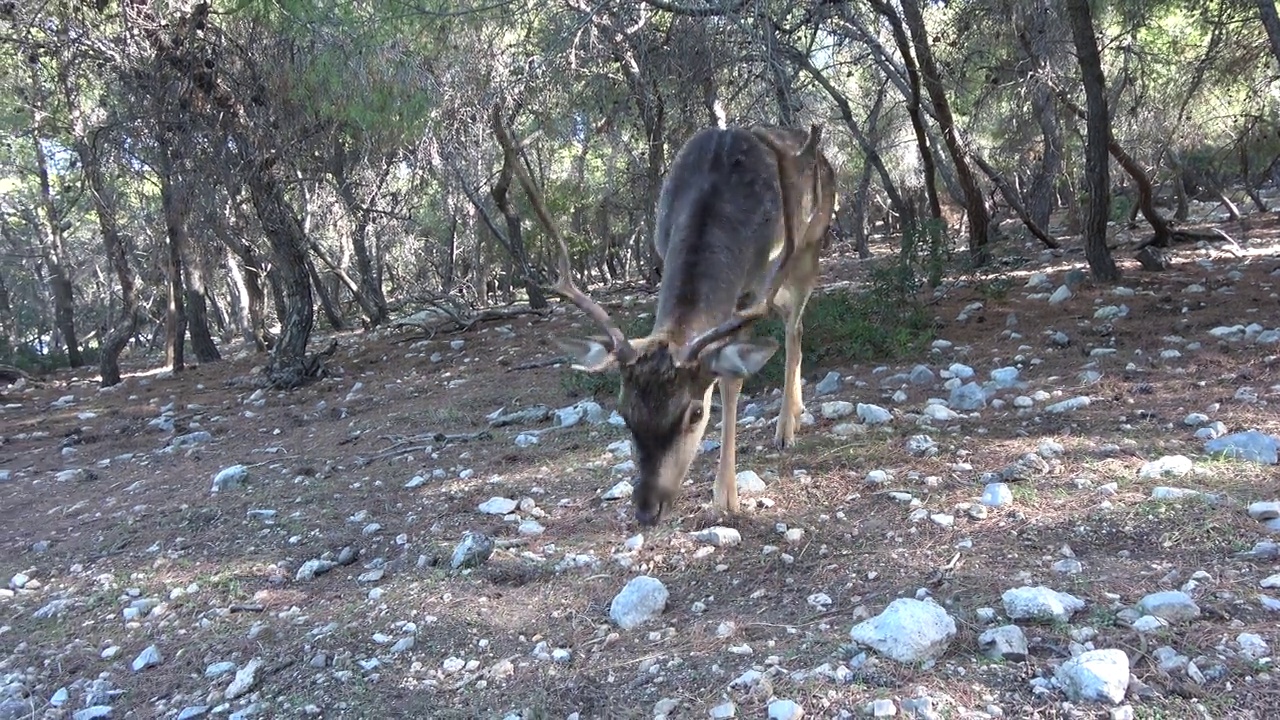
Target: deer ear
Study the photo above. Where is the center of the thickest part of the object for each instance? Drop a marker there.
(589, 355)
(740, 359)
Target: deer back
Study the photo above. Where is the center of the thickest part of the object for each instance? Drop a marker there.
(719, 219)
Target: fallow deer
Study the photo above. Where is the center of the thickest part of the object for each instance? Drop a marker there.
(740, 221)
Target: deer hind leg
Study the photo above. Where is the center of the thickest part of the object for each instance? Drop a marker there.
(725, 494)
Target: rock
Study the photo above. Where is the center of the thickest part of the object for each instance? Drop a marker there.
(921, 445)
(1174, 606)
(641, 600)
(192, 438)
(1251, 445)
(1097, 676)
(1005, 377)
(569, 416)
(218, 669)
(908, 631)
(828, 385)
(93, 712)
(498, 506)
(1172, 493)
(1076, 403)
(244, 681)
(785, 710)
(229, 478)
(1040, 603)
(968, 397)
(471, 551)
(960, 370)
(920, 375)
(1271, 582)
(880, 708)
(1006, 642)
(311, 568)
(1262, 511)
(996, 495)
(73, 475)
(621, 491)
(719, 536)
(54, 608)
(1061, 295)
(749, 483)
(836, 409)
(873, 414)
(1167, 466)
(150, 657)
(1252, 647)
(940, 413)
(193, 711)
(1068, 566)
(1149, 624)
(1195, 419)
(724, 711)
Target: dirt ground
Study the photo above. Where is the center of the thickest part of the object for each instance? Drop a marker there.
(135, 550)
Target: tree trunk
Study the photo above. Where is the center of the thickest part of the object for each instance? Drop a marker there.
(1270, 20)
(327, 306)
(974, 201)
(198, 310)
(289, 367)
(914, 111)
(1011, 196)
(177, 208)
(55, 258)
(861, 231)
(1035, 32)
(370, 297)
(1097, 176)
(514, 236)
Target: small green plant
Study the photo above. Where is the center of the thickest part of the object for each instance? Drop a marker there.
(996, 289)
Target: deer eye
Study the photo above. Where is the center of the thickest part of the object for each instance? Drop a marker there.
(694, 416)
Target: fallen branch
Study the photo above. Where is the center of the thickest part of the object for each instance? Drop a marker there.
(544, 362)
(433, 437)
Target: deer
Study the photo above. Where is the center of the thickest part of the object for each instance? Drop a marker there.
(740, 220)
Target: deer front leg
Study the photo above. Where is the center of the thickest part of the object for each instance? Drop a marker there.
(792, 400)
(724, 496)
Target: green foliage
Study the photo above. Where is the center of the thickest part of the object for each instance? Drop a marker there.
(883, 322)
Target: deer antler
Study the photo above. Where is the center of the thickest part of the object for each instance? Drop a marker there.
(564, 284)
(790, 211)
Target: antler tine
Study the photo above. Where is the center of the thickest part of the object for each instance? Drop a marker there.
(786, 177)
(564, 284)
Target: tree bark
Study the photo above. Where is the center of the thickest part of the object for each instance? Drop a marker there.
(55, 258)
(1011, 196)
(914, 110)
(202, 343)
(370, 296)
(1271, 21)
(288, 367)
(115, 246)
(177, 208)
(974, 201)
(1097, 176)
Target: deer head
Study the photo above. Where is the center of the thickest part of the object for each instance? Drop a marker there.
(667, 377)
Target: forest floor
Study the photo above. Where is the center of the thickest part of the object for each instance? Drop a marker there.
(115, 543)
